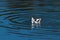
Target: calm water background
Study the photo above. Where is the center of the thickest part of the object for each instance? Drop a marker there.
(15, 20)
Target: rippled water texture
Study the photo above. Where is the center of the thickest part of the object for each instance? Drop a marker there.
(15, 19)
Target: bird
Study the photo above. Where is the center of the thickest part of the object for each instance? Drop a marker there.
(36, 21)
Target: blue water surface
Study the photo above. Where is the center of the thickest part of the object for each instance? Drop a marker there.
(15, 23)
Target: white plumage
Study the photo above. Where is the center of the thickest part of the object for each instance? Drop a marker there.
(36, 20)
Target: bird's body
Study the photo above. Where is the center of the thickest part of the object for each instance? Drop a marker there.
(36, 20)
